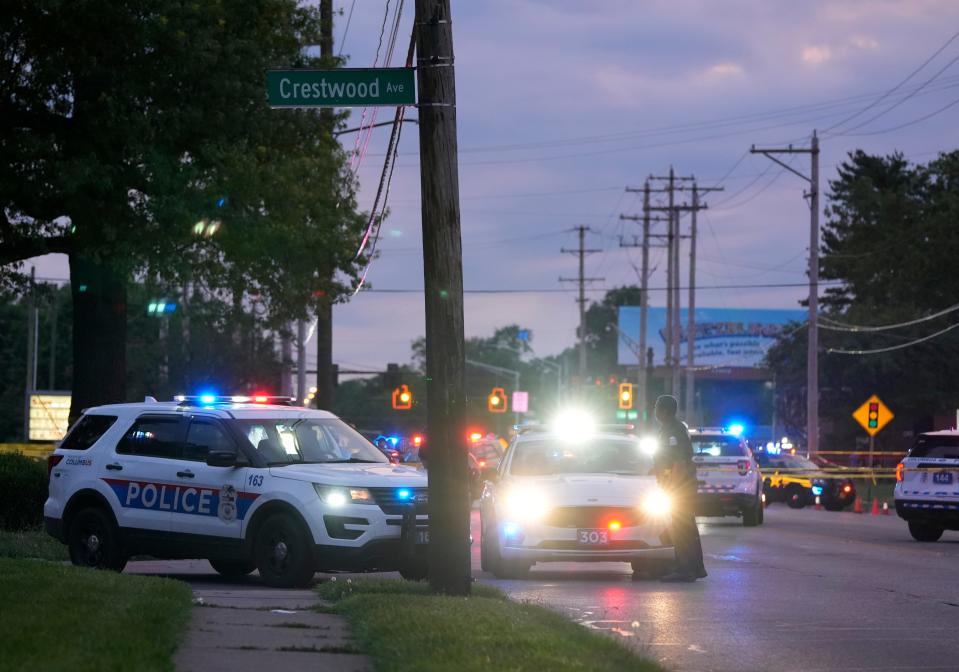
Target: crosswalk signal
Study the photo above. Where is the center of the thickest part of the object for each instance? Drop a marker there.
(402, 398)
(496, 401)
(873, 420)
(626, 396)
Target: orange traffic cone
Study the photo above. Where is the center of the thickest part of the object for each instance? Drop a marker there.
(875, 506)
(885, 509)
(818, 503)
(857, 505)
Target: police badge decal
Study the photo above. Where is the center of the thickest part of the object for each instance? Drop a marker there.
(227, 509)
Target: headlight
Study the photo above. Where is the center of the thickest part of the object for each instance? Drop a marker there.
(336, 496)
(525, 504)
(649, 444)
(657, 503)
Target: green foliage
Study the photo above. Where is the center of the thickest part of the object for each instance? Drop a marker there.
(98, 620)
(890, 239)
(23, 490)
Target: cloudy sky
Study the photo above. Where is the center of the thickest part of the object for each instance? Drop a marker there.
(563, 103)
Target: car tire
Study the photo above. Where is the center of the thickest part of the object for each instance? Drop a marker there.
(502, 568)
(417, 569)
(283, 552)
(753, 515)
(93, 540)
(651, 569)
(232, 569)
(925, 532)
(795, 497)
(762, 511)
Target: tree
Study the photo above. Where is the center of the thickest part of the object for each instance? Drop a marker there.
(888, 239)
(129, 128)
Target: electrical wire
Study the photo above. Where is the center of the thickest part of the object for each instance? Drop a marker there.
(895, 88)
(908, 123)
(346, 31)
(876, 351)
(549, 290)
(842, 326)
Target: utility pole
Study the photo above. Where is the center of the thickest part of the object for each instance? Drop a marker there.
(691, 310)
(324, 306)
(646, 219)
(52, 374)
(301, 362)
(31, 378)
(581, 252)
(449, 550)
(812, 355)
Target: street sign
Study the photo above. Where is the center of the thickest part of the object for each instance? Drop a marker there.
(342, 87)
(520, 402)
(49, 416)
(873, 415)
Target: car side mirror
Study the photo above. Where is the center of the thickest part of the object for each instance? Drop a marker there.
(221, 458)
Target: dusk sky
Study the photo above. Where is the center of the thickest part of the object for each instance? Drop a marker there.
(562, 104)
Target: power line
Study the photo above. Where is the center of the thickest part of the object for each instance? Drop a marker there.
(549, 290)
(842, 326)
(876, 351)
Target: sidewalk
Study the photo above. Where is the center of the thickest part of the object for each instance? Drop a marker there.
(249, 627)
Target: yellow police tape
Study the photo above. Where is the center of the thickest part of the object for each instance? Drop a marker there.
(35, 450)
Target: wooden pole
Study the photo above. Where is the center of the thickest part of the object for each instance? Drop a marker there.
(449, 552)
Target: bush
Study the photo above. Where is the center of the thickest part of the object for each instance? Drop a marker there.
(23, 490)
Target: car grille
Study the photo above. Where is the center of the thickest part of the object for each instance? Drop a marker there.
(390, 503)
(613, 545)
(583, 517)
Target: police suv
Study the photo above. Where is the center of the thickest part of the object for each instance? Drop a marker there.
(576, 493)
(728, 478)
(927, 485)
(244, 482)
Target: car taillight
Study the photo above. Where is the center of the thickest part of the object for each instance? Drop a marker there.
(900, 468)
(52, 461)
(847, 488)
(743, 466)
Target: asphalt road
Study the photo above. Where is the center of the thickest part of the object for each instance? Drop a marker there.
(809, 590)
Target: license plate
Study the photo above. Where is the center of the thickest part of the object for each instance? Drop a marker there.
(593, 537)
(422, 536)
(942, 478)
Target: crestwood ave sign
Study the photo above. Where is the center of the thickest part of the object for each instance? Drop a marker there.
(343, 87)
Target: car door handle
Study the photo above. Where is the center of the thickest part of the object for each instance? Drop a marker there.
(185, 474)
(115, 467)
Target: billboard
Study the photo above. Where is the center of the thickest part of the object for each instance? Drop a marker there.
(725, 337)
(49, 416)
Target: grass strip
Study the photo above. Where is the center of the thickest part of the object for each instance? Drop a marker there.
(60, 617)
(403, 627)
(31, 544)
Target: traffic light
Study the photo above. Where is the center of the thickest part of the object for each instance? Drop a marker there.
(626, 396)
(496, 401)
(402, 398)
(873, 420)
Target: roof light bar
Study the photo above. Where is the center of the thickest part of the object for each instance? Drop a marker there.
(216, 400)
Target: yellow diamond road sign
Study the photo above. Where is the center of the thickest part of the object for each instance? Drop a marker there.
(873, 415)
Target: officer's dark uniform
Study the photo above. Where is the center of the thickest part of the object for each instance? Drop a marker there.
(676, 455)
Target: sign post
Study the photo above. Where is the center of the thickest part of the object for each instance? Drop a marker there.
(873, 415)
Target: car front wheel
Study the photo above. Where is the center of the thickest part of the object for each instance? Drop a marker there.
(283, 553)
(795, 497)
(94, 541)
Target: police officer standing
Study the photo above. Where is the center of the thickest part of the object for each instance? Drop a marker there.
(677, 473)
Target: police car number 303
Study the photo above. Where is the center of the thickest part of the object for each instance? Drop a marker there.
(270, 487)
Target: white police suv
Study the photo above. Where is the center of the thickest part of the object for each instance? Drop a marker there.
(244, 482)
(579, 493)
(729, 482)
(927, 485)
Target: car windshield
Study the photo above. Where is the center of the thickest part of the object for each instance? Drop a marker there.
(717, 446)
(932, 446)
(307, 440)
(793, 462)
(548, 457)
